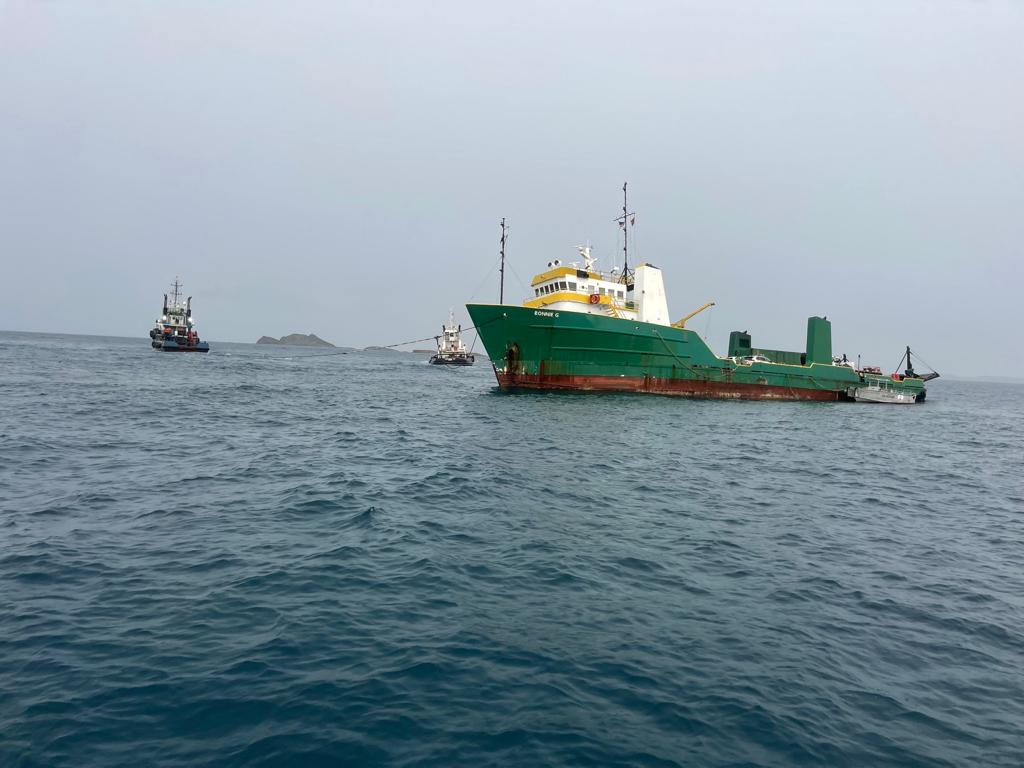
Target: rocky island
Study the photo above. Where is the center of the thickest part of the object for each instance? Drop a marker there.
(296, 340)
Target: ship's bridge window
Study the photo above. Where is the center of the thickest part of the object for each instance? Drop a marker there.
(561, 286)
(536, 291)
(620, 294)
(602, 290)
(572, 286)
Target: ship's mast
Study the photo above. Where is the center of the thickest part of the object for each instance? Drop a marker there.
(910, 366)
(625, 232)
(501, 286)
(625, 221)
(177, 291)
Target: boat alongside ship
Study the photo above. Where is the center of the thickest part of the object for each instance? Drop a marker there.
(880, 392)
(588, 330)
(175, 329)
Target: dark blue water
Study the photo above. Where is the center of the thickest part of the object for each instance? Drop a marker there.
(282, 557)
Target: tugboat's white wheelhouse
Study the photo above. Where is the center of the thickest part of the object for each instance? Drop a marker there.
(451, 350)
(450, 341)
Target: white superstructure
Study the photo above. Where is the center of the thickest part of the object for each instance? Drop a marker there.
(450, 341)
(176, 318)
(624, 293)
(451, 350)
(584, 288)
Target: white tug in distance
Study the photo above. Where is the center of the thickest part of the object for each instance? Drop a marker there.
(451, 350)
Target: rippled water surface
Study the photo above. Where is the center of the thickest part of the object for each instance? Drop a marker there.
(270, 556)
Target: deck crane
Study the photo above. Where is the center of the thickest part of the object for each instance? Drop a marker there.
(682, 323)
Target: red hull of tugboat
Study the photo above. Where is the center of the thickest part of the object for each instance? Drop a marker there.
(651, 385)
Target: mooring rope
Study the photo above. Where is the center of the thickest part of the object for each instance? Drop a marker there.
(691, 369)
(317, 354)
(384, 346)
(435, 338)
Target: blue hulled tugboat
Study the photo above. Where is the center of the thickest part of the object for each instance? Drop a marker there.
(175, 329)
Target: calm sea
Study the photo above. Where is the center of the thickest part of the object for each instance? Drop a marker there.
(279, 556)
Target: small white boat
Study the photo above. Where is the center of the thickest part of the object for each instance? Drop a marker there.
(878, 392)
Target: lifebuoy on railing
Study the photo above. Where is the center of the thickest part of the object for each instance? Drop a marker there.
(595, 299)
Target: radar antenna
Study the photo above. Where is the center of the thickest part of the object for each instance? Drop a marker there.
(588, 259)
(177, 292)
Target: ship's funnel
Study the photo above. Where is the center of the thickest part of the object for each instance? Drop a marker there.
(649, 295)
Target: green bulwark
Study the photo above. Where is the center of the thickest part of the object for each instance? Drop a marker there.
(818, 350)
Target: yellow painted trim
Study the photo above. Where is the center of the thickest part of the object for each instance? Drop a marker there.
(551, 273)
(551, 298)
(579, 298)
(559, 272)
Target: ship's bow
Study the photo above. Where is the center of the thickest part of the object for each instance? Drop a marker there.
(497, 332)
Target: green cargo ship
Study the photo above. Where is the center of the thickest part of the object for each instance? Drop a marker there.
(589, 330)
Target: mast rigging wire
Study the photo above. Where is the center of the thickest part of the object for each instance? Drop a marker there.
(476, 291)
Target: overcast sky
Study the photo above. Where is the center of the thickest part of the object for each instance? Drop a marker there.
(341, 168)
